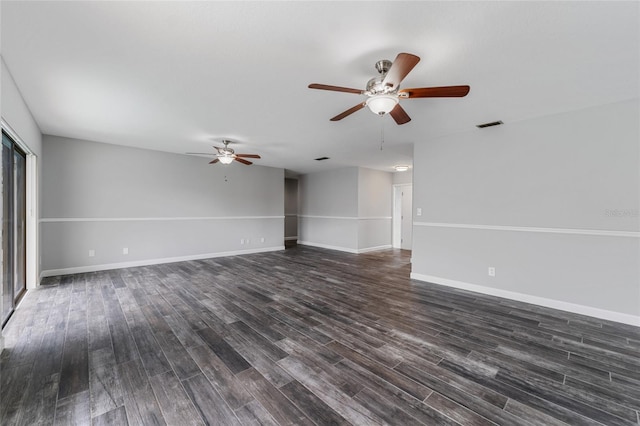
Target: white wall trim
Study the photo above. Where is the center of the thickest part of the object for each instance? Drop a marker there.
(376, 248)
(291, 238)
(291, 215)
(145, 219)
(308, 216)
(327, 246)
(598, 232)
(14, 135)
(541, 301)
(345, 249)
(146, 262)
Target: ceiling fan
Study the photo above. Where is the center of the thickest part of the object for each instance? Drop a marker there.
(226, 155)
(383, 92)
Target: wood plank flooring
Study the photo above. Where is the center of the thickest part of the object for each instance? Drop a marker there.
(306, 337)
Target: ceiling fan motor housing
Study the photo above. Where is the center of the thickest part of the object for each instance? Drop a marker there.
(383, 66)
(375, 86)
(226, 150)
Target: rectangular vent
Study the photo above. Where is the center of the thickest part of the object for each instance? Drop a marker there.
(322, 158)
(493, 123)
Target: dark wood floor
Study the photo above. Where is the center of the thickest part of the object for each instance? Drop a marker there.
(306, 336)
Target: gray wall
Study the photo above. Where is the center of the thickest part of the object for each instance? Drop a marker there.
(16, 113)
(329, 208)
(290, 209)
(160, 206)
(375, 200)
(551, 203)
(346, 209)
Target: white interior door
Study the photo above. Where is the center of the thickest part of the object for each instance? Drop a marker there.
(402, 216)
(407, 217)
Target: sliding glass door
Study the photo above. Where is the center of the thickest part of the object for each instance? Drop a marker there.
(14, 215)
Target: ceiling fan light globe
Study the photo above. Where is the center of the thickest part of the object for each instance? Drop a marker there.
(382, 104)
(225, 159)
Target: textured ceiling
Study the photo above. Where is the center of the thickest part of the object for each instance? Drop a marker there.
(175, 76)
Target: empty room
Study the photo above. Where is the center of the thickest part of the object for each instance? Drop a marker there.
(320, 213)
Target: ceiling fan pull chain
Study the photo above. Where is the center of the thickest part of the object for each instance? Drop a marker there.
(381, 132)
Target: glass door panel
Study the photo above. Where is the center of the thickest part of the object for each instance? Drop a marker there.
(14, 216)
(7, 226)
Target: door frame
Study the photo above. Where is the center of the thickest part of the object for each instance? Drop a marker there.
(31, 220)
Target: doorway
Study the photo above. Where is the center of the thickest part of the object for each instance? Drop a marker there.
(14, 219)
(290, 212)
(402, 216)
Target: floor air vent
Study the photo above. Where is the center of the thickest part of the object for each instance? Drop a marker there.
(493, 123)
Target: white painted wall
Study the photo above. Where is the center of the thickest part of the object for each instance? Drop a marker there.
(403, 177)
(552, 203)
(160, 206)
(346, 209)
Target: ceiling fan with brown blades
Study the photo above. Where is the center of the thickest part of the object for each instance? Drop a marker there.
(383, 92)
(227, 155)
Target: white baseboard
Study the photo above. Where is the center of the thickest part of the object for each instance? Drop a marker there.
(326, 246)
(377, 248)
(541, 301)
(147, 262)
(346, 249)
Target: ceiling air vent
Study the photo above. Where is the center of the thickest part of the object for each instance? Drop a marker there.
(493, 123)
(322, 158)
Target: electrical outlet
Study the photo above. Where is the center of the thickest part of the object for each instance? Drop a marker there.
(419, 211)
(248, 241)
(492, 271)
(242, 241)
(125, 250)
(92, 253)
(262, 240)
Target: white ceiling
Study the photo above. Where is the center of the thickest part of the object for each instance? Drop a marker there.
(173, 76)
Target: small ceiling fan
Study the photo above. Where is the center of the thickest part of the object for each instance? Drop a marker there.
(383, 92)
(226, 155)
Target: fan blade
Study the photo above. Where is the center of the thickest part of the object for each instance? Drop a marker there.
(240, 160)
(348, 112)
(335, 88)
(248, 155)
(403, 64)
(400, 115)
(214, 161)
(436, 92)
